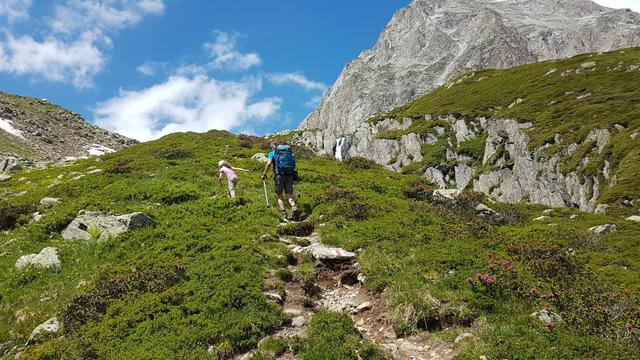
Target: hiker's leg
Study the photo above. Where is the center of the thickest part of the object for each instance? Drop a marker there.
(288, 187)
(232, 186)
(279, 192)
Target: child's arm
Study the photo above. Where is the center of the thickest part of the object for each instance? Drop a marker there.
(239, 169)
(220, 176)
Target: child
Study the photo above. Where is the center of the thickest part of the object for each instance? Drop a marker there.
(230, 172)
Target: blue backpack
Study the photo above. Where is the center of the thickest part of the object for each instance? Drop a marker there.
(285, 161)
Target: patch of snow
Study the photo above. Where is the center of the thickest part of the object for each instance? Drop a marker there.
(97, 150)
(7, 126)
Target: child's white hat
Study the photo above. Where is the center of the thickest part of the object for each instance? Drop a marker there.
(221, 162)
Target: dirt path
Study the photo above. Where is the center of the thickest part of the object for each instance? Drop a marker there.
(339, 287)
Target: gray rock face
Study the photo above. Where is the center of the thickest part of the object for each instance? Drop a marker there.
(508, 171)
(322, 252)
(47, 258)
(89, 225)
(431, 41)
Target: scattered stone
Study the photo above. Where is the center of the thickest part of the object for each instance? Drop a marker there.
(601, 209)
(5, 177)
(462, 337)
(94, 171)
(361, 278)
(268, 238)
(518, 101)
(603, 229)
(363, 307)
(292, 312)
(49, 202)
(274, 297)
(446, 194)
(547, 317)
(548, 211)
(573, 217)
(47, 258)
(298, 321)
(588, 64)
(90, 224)
(260, 157)
(485, 211)
(541, 218)
(36, 217)
(321, 252)
(44, 331)
(635, 218)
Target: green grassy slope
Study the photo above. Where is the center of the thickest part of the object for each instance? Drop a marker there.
(569, 97)
(196, 279)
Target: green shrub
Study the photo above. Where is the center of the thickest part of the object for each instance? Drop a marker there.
(175, 193)
(120, 167)
(10, 214)
(356, 208)
(360, 163)
(173, 154)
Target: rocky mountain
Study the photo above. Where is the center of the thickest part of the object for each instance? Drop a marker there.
(559, 133)
(430, 41)
(36, 130)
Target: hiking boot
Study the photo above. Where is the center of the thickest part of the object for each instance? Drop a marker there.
(283, 217)
(295, 215)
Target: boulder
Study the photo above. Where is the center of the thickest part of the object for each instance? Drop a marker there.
(485, 211)
(634, 218)
(36, 217)
(260, 157)
(47, 258)
(601, 209)
(44, 331)
(547, 317)
(322, 252)
(50, 202)
(4, 177)
(298, 321)
(90, 224)
(363, 307)
(446, 194)
(10, 164)
(603, 229)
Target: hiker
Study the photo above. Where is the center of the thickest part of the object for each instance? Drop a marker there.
(283, 161)
(229, 172)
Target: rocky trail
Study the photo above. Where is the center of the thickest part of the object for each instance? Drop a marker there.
(339, 286)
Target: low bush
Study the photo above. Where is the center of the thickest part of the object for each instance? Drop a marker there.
(10, 214)
(173, 154)
(360, 163)
(355, 208)
(120, 167)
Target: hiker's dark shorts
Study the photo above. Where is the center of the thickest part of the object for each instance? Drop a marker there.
(284, 183)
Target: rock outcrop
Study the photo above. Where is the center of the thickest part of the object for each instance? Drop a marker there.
(47, 258)
(506, 168)
(92, 225)
(431, 41)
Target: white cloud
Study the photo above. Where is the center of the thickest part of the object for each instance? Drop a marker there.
(151, 68)
(297, 79)
(227, 57)
(76, 62)
(77, 38)
(15, 10)
(620, 4)
(105, 15)
(185, 103)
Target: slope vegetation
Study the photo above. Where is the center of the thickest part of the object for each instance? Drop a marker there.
(194, 285)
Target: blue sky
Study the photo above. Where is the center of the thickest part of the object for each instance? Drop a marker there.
(150, 67)
(146, 68)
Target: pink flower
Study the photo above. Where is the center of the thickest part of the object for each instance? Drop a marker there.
(628, 326)
(511, 267)
(469, 280)
(478, 275)
(491, 266)
(488, 279)
(533, 291)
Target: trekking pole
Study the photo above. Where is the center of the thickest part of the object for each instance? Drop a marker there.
(264, 186)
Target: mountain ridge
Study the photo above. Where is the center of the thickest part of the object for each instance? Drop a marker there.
(427, 43)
